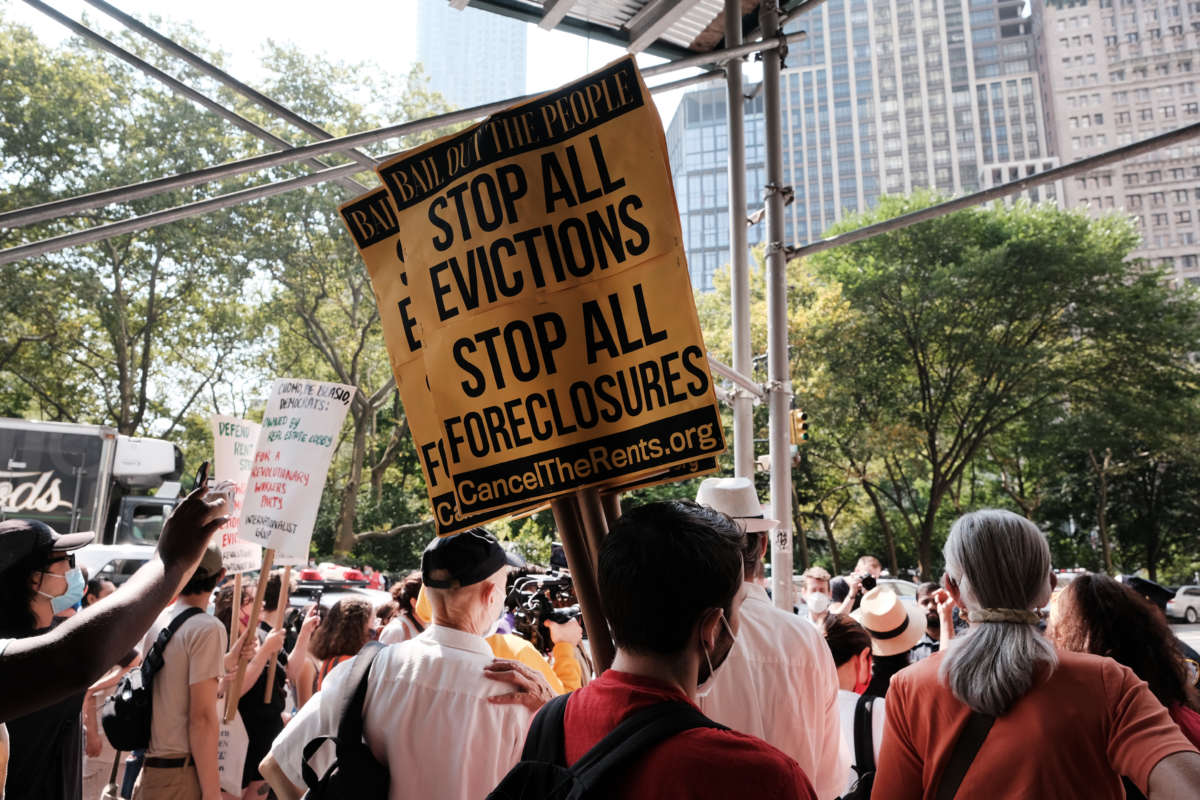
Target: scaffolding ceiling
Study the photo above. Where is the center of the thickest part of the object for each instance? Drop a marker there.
(667, 28)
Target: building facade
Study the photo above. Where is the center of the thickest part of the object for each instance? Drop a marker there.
(470, 56)
(881, 97)
(1115, 72)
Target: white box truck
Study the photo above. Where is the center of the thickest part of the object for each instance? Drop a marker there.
(79, 477)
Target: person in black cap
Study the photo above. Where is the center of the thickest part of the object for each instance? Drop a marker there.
(427, 703)
(38, 580)
(54, 666)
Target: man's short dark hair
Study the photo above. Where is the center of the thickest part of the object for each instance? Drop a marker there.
(661, 566)
(926, 589)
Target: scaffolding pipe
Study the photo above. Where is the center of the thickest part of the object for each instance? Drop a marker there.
(1002, 190)
(720, 57)
(739, 261)
(178, 86)
(122, 194)
(779, 393)
(219, 202)
(213, 71)
(134, 224)
(744, 383)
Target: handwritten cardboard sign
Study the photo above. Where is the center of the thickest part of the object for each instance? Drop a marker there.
(542, 274)
(234, 441)
(291, 460)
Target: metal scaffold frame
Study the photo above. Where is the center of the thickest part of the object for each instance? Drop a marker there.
(722, 61)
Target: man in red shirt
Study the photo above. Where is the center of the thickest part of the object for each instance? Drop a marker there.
(670, 576)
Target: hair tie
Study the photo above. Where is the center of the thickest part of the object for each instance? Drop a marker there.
(1016, 615)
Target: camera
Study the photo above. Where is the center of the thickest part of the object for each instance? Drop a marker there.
(535, 598)
(868, 582)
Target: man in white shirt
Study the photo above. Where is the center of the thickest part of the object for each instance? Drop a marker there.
(816, 595)
(427, 711)
(779, 682)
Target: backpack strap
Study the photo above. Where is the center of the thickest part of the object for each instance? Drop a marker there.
(965, 750)
(637, 734)
(153, 661)
(546, 741)
(350, 726)
(350, 729)
(864, 735)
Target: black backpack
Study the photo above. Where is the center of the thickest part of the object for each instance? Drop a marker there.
(354, 773)
(126, 715)
(542, 773)
(864, 749)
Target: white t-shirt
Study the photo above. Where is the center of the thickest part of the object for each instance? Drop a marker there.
(846, 703)
(195, 653)
(427, 718)
(779, 683)
(399, 630)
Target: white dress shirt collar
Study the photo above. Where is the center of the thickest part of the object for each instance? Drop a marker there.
(459, 640)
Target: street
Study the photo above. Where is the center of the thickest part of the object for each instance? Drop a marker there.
(1189, 634)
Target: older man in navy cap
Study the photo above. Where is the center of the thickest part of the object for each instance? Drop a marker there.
(427, 712)
(779, 682)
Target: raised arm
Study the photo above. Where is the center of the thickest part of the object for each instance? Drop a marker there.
(71, 657)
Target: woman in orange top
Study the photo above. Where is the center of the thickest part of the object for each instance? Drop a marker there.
(1063, 724)
(343, 632)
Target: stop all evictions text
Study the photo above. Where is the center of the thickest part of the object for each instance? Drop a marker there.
(541, 292)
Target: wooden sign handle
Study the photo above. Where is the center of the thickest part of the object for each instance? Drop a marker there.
(576, 547)
(235, 689)
(235, 614)
(280, 610)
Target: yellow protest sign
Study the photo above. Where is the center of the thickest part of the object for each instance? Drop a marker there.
(546, 286)
(371, 221)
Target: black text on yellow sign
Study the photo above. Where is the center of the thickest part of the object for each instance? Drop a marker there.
(543, 283)
(371, 221)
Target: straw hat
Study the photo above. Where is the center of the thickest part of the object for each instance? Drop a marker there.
(894, 627)
(736, 498)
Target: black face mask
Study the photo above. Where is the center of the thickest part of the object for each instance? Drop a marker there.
(712, 662)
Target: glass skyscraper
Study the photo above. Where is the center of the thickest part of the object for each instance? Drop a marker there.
(471, 57)
(881, 97)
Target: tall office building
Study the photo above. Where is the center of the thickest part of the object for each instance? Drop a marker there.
(472, 57)
(1115, 73)
(881, 97)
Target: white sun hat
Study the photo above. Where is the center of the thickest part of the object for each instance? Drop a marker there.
(735, 497)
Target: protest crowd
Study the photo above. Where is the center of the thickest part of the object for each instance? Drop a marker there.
(476, 679)
(534, 301)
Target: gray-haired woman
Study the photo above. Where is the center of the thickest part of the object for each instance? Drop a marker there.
(1052, 723)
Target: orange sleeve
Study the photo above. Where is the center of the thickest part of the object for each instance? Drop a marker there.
(566, 667)
(529, 656)
(899, 768)
(1141, 732)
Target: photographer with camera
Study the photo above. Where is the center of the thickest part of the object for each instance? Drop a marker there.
(848, 591)
(547, 635)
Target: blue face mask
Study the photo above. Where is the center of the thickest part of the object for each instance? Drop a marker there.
(75, 589)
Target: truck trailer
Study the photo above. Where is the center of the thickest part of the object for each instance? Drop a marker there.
(77, 477)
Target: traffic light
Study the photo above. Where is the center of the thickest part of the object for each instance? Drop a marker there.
(799, 422)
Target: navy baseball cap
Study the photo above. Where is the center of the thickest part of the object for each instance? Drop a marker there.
(469, 557)
(20, 537)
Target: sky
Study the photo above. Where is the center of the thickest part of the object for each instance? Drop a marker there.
(383, 31)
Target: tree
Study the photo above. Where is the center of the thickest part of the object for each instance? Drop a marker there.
(132, 330)
(982, 318)
(323, 309)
